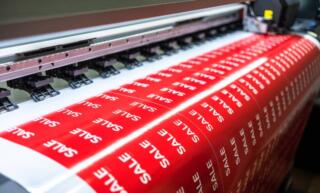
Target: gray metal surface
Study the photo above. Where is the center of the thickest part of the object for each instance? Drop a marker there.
(33, 17)
(9, 186)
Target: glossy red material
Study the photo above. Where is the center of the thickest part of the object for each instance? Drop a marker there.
(227, 121)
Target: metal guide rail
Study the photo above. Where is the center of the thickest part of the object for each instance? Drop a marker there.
(38, 79)
(219, 122)
(47, 52)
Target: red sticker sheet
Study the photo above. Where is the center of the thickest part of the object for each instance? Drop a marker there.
(227, 121)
